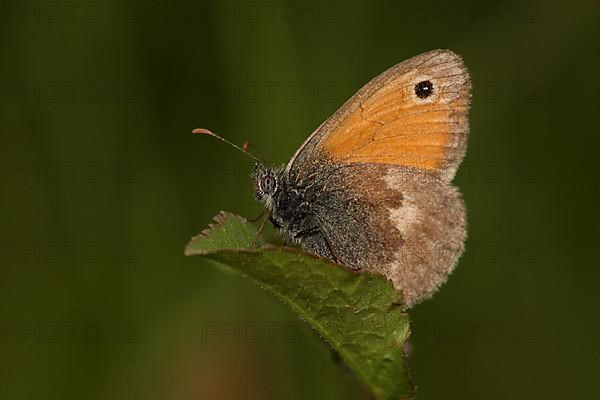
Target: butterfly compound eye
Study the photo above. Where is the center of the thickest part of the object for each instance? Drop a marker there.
(424, 89)
(268, 184)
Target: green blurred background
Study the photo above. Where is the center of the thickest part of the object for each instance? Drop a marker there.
(102, 185)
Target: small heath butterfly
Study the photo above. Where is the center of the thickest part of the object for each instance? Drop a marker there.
(371, 187)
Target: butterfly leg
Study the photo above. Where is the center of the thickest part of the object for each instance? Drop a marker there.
(257, 218)
(307, 232)
(264, 216)
(317, 231)
(333, 256)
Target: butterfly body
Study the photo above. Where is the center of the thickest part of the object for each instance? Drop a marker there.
(371, 187)
(400, 225)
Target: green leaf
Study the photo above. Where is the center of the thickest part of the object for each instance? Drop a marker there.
(358, 314)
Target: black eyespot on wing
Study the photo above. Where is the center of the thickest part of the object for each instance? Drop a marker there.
(424, 89)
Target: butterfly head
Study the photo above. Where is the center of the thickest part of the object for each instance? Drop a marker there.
(267, 183)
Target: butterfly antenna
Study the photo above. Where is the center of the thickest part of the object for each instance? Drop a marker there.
(249, 146)
(203, 131)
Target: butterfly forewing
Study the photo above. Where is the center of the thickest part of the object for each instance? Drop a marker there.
(413, 115)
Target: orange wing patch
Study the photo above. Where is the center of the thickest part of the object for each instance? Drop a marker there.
(391, 121)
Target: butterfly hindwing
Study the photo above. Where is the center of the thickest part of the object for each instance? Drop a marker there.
(398, 221)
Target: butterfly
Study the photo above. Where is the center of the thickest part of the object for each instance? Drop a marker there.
(371, 187)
